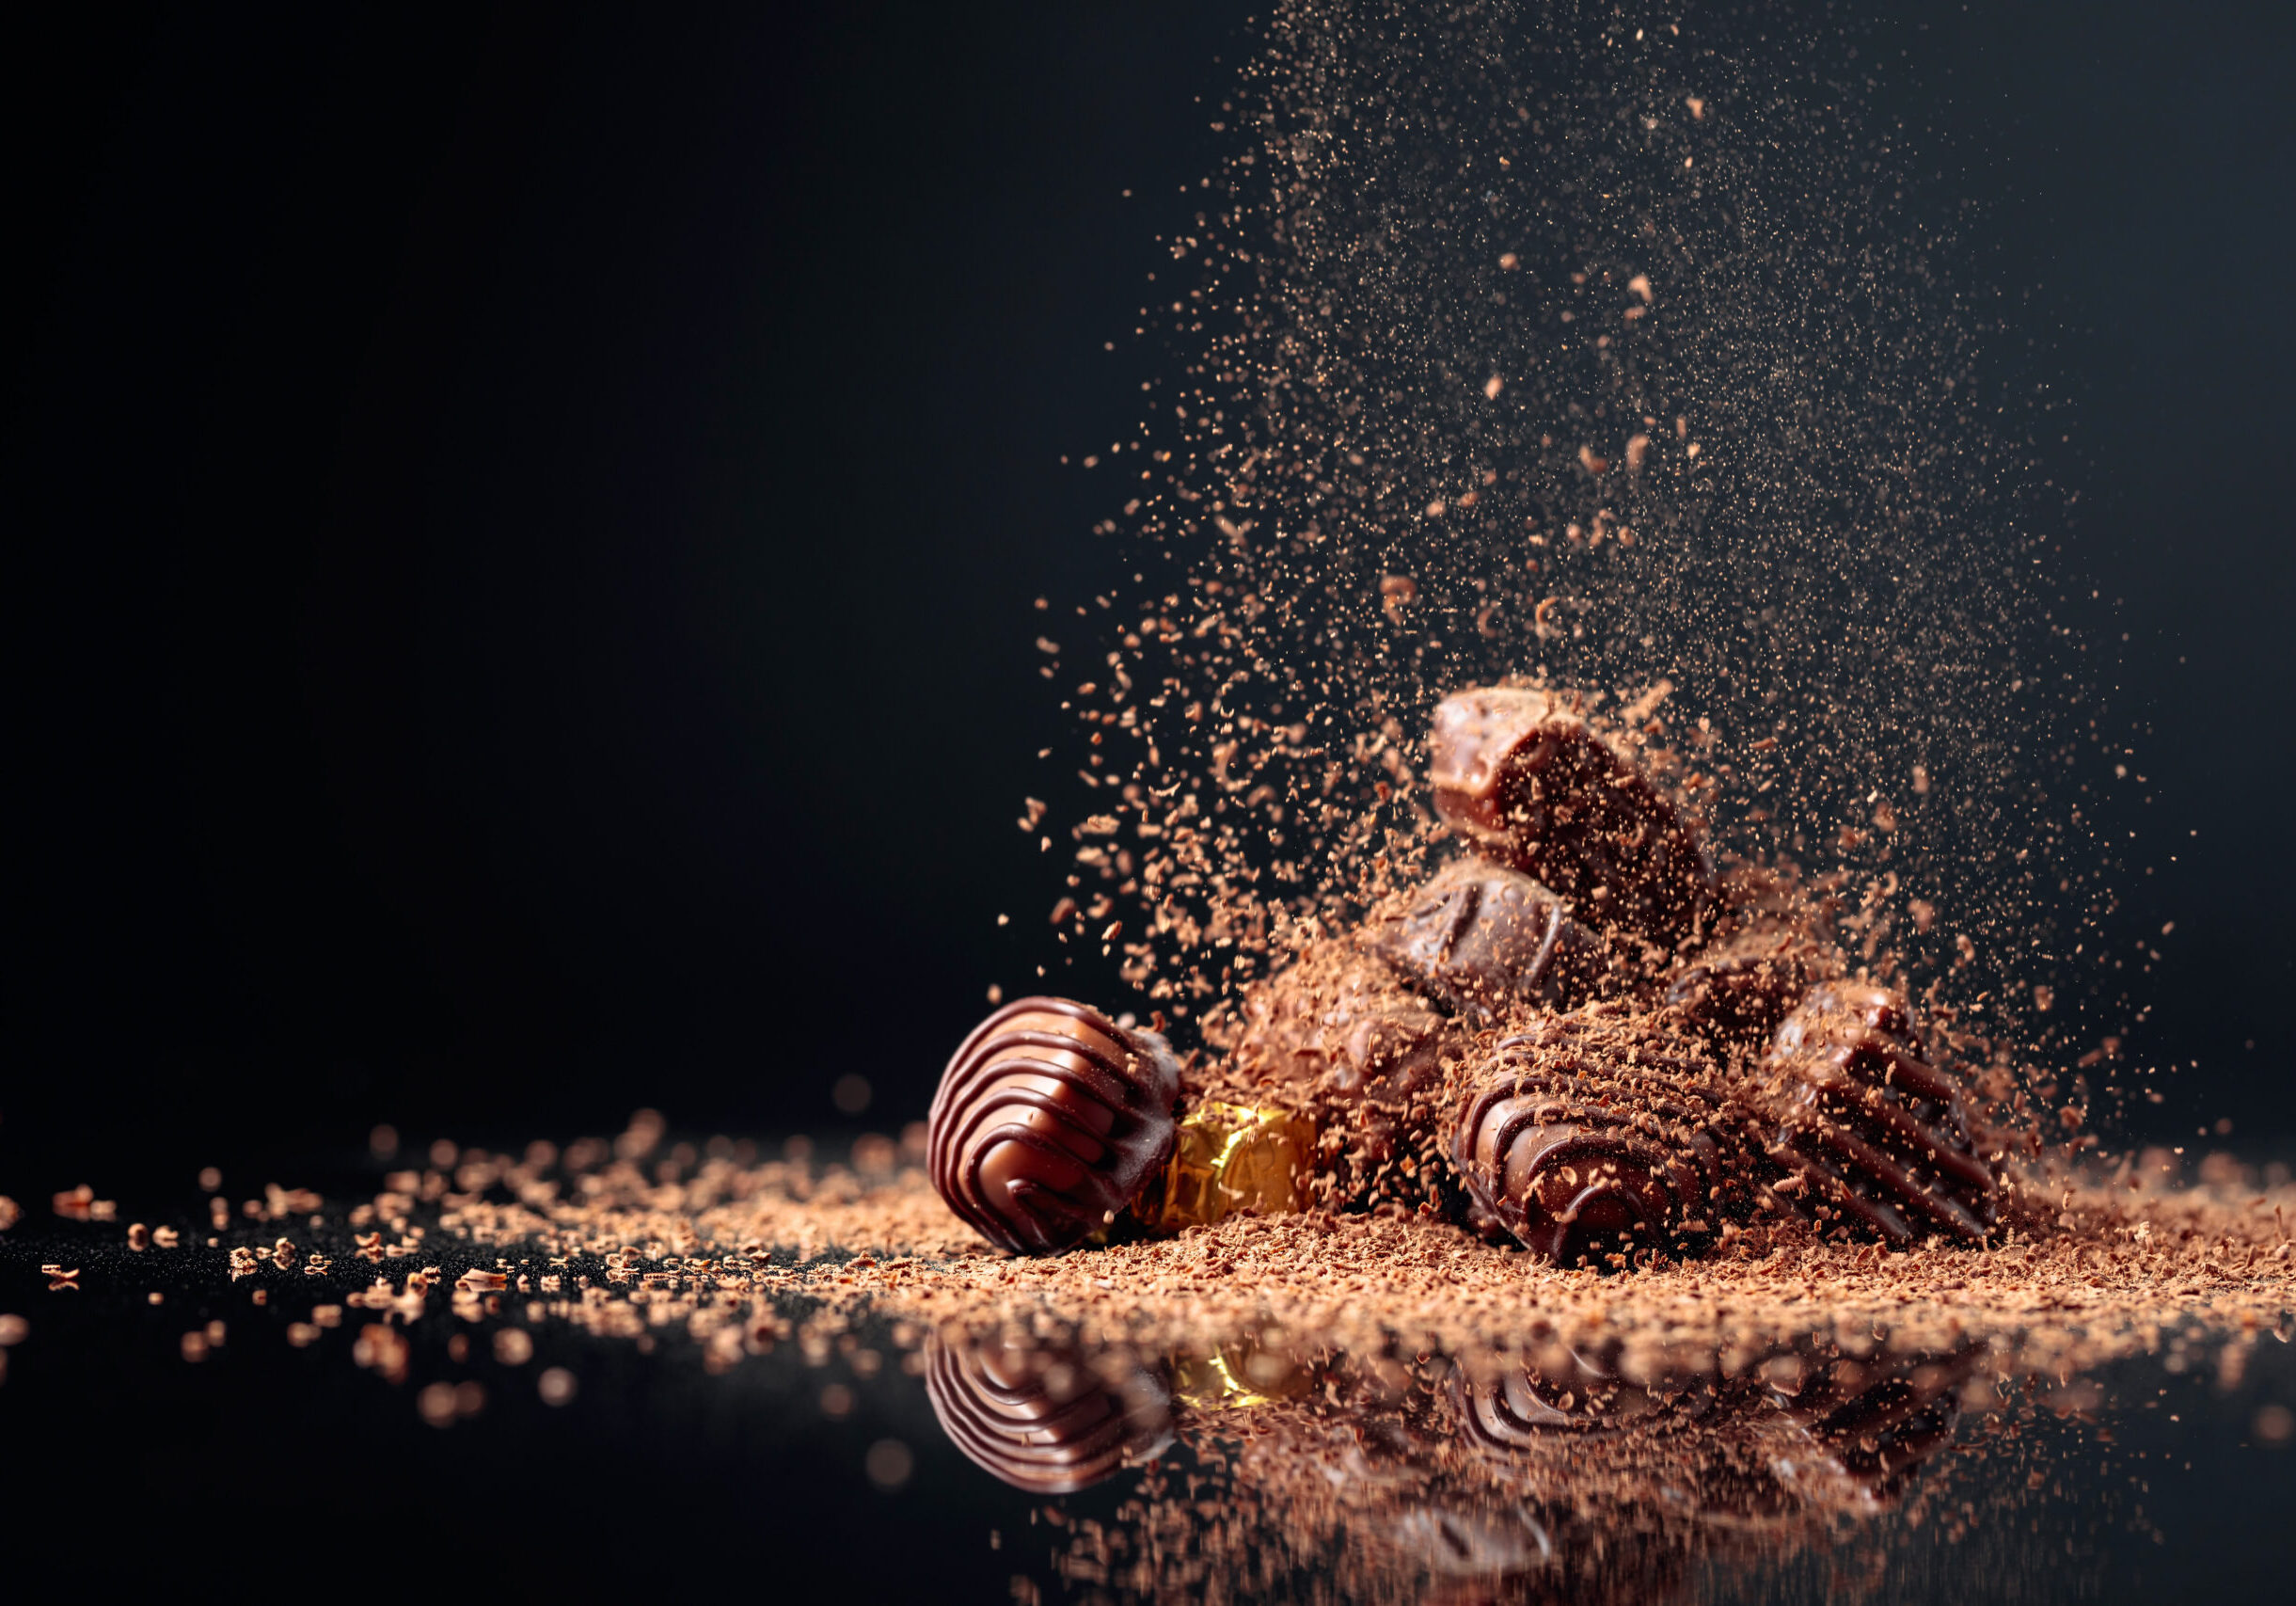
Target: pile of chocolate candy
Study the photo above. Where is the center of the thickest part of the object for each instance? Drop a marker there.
(1575, 1036)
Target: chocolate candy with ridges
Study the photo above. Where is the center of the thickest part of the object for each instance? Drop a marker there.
(1603, 1131)
(1480, 937)
(1048, 1120)
(1044, 1420)
(1877, 1134)
(1525, 778)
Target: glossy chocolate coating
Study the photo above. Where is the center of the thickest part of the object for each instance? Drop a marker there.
(1877, 1134)
(1597, 1131)
(1048, 1120)
(1341, 1036)
(1480, 937)
(1043, 1419)
(1523, 776)
(1742, 987)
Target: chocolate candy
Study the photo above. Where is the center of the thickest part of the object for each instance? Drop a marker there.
(1227, 1159)
(1341, 1021)
(1870, 1132)
(1523, 776)
(1774, 943)
(1742, 987)
(1601, 1132)
(1340, 1036)
(1044, 1419)
(1479, 938)
(1048, 1119)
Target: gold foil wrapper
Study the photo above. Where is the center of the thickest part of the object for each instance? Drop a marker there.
(1230, 1158)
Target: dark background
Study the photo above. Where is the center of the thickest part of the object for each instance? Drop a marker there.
(523, 531)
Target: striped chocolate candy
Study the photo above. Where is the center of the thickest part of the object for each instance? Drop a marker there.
(1048, 1120)
(1877, 1135)
(1601, 1132)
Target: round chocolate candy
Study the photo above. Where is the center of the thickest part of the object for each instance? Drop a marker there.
(1867, 1128)
(1340, 1037)
(1048, 1120)
(1479, 938)
(1044, 1419)
(1775, 942)
(1741, 987)
(1525, 778)
(1601, 1132)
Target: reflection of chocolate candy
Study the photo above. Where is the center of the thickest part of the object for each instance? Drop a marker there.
(1041, 1419)
(1877, 1135)
(1870, 1421)
(1048, 1119)
(1524, 776)
(1508, 1411)
(1598, 1132)
(1478, 937)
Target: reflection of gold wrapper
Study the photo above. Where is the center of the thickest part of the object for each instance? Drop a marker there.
(1230, 1158)
(1236, 1378)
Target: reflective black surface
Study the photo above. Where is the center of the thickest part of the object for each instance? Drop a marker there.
(574, 1436)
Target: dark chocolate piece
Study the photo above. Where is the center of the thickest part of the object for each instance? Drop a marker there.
(1044, 1419)
(1600, 1132)
(1873, 1133)
(1479, 938)
(1523, 776)
(1048, 1120)
(1742, 987)
(1775, 943)
(1339, 1035)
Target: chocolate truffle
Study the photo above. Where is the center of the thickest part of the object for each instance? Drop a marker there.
(1048, 1119)
(1480, 937)
(1774, 943)
(1526, 779)
(1599, 1132)
(1044, 1419)
(1338, 1036)
(1872, 1133)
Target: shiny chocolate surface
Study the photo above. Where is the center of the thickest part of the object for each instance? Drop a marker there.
(1871, 1132)
(1048, 1120)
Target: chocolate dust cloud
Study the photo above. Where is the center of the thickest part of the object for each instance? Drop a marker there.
(1539, 343)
